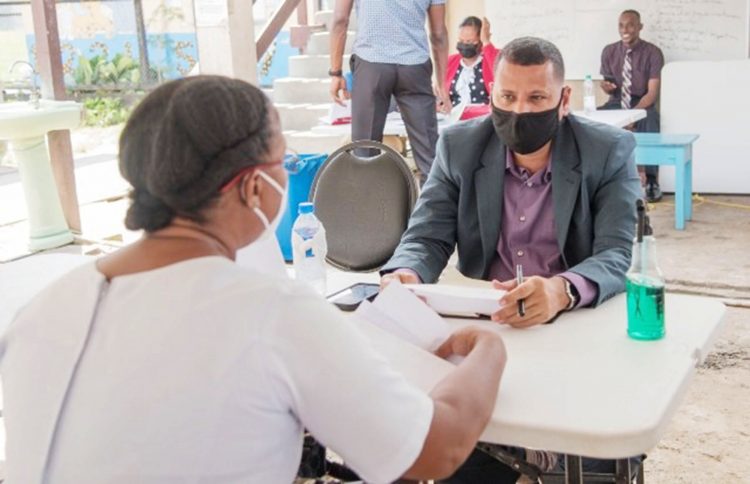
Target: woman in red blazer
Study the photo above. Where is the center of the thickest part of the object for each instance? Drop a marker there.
(470, 71)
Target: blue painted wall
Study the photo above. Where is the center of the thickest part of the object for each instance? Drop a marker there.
(171, 54)
(280, 63)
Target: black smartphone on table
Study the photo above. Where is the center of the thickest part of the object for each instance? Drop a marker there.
(349, 299)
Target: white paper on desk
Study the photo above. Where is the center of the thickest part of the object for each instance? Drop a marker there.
(459, 300)
(401, 313)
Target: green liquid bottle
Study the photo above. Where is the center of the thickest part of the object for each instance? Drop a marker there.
(645, 308)
(644, 286)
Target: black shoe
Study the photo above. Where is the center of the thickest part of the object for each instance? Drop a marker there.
(653, 192)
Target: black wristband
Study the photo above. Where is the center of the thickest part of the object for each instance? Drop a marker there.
(338, 73)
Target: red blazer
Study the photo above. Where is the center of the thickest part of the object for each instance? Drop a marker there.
(489, 54)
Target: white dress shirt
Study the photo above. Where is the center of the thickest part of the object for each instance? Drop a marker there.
(200, 371)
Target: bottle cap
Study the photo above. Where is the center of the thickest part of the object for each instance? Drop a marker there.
(306, 207)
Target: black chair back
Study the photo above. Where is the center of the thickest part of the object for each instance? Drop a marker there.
(364, 204)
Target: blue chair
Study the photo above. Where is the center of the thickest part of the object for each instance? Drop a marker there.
(675, 150)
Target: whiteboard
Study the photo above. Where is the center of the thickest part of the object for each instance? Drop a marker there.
(683, 29)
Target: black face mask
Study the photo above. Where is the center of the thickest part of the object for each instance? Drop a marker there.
(468, 51)
(525, 133)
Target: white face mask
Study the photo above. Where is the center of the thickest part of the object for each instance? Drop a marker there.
(270, 227)
(264, 254)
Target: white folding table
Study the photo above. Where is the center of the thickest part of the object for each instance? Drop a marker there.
(614, 117)
(579, 386)
(394, 125)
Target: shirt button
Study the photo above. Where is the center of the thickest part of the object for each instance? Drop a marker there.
(529, 184)
(519, 253)
(522, 218)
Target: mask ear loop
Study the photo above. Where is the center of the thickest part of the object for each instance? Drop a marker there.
(256, 209)
(269, 179)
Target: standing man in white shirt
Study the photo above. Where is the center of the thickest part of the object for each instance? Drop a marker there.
(391, 57)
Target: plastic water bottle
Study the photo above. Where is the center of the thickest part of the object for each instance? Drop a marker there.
(644, 285)
(309, 248)
(589, 99)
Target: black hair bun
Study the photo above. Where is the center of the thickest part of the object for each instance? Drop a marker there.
(147, 212)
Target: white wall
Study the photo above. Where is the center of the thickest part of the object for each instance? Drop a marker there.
(710, 99)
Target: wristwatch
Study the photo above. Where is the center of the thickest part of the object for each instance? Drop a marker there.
(573, 297)
(337, 73)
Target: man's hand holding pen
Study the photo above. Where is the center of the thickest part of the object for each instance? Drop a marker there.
(543, 299)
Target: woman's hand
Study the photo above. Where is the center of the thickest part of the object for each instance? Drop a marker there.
(466, 339)
(485, 34)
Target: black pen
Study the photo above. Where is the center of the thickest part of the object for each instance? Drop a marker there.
(519, 281)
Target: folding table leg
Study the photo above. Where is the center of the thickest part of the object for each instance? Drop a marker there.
(573, 470)
(623, 471)
(679, 195)
(689, 189)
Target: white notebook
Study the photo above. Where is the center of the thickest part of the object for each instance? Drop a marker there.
(459, 300)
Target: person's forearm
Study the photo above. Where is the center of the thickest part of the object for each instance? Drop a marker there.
(463, 404)
(439, 43)
(646, 101)
(471, 390)
(338, 43)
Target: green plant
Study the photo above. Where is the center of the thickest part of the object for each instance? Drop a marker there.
(88, 71)
(122, 69)
(105, 111)
(98, 70)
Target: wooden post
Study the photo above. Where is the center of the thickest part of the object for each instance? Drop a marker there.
(274, 25)
(226, 37)
(302, 13)
(140, 28)
(49, 65)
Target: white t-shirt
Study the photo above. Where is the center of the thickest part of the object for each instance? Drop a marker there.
(201, 371)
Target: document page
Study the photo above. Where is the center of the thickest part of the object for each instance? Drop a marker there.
(459, 300)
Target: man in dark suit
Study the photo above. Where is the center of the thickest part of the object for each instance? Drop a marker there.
(529, 185)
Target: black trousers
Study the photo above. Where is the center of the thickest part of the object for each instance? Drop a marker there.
(374, 85)
(650, 124)
(481, 468)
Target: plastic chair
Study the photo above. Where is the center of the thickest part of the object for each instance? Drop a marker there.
(364, 204)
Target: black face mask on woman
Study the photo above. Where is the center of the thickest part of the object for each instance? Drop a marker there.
(468, 51)
(525, 133)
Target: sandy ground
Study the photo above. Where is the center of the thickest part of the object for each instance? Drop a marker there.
(709, 438)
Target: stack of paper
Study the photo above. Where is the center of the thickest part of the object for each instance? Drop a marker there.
(459, 300)
(401, 313)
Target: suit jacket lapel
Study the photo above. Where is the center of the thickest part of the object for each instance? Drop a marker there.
(566, 181)
(488, 182)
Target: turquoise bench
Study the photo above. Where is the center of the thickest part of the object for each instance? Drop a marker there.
(675, 150)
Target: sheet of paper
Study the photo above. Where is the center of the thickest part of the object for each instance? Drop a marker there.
(398, 311)
(338, 114)
(456, 300)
